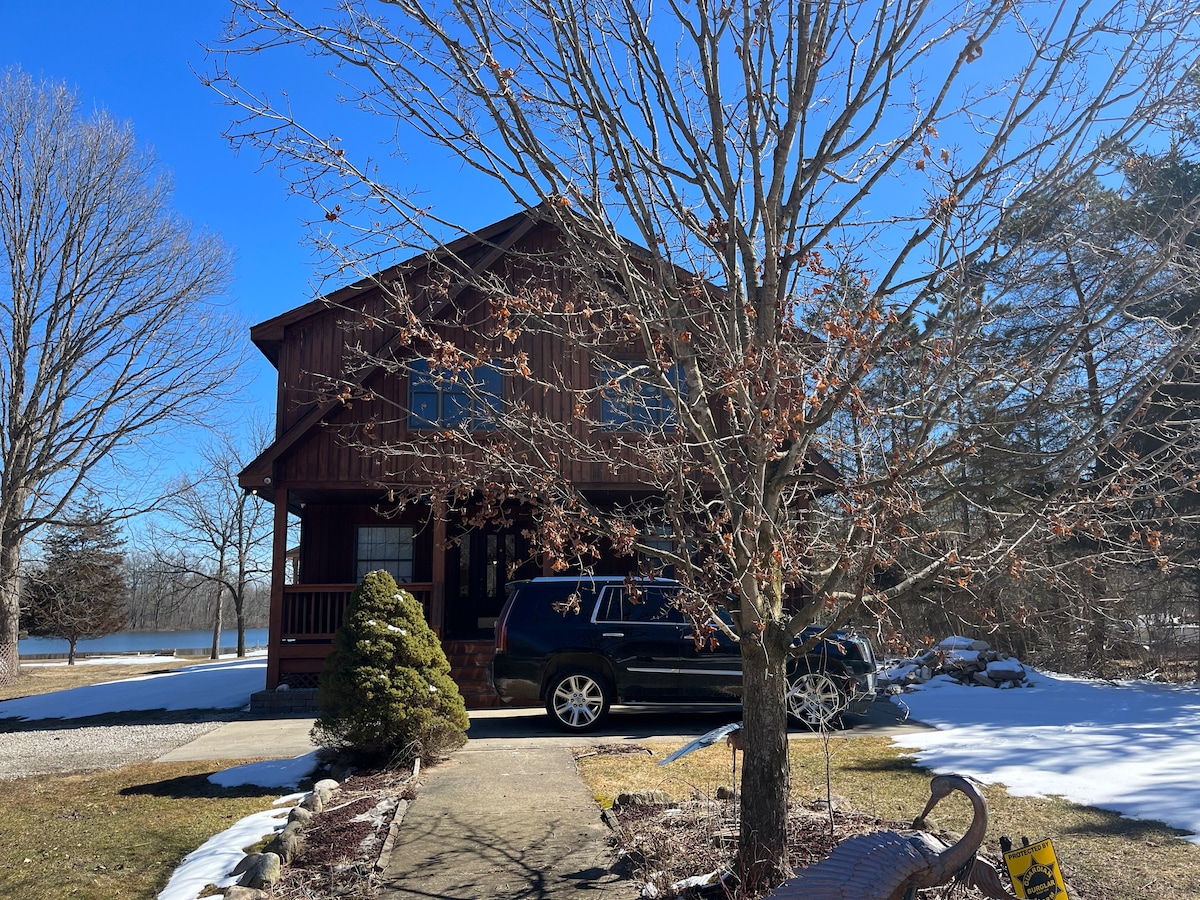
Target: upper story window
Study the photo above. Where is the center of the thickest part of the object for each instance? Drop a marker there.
(440, 398)
(632, 400)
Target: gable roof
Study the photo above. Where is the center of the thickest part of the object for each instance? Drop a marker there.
(486, 246)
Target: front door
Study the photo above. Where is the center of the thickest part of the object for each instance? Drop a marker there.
(478, 563)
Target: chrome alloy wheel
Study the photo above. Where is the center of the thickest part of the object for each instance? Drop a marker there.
(578, 701)
(814, 699)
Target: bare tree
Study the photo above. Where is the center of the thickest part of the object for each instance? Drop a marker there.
(787, 240)
(217, 533)
(107, 335)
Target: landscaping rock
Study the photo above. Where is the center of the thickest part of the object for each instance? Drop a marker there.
(314, 802)
(300, 814)
(958, 642)
(259, 870)
(836, 802)
(966, 660)
(287, 843)
(237, 892)
(1006, 670)
(643, 798)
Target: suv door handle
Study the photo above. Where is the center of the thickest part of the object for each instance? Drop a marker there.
(614, 634)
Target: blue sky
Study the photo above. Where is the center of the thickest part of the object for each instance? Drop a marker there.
(137, 59)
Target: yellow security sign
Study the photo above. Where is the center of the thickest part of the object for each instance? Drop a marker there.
(1034, 872)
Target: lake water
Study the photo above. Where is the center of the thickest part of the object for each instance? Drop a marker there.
(143, 641)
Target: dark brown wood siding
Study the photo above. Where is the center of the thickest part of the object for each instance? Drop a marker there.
(328, 536)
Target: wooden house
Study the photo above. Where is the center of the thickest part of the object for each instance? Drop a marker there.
(340, 491)
(340, 410)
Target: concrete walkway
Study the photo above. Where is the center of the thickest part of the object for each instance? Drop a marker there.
(507, 816)
(501, 822)
(248, 739)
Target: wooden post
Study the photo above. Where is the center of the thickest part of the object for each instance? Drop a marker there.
(437, 593)
(278, 577)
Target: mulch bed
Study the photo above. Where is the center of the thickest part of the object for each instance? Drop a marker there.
(669, 843)
(663, 844)
(341, 854)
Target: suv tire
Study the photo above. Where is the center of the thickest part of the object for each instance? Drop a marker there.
(815, 700)
(578, 700)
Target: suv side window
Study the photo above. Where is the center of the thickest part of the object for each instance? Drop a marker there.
(652, 605)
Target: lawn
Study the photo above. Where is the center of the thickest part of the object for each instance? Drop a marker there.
(1103, 855)
(110, 834)
(115, 834)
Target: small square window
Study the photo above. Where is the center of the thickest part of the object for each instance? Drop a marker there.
(386, 547)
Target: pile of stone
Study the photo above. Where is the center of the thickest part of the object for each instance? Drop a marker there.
(258, 872)
(964, 659)
(323, 811)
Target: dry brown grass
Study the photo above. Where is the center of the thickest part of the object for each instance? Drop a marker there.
(116, 834)
(43, 679)
(1103, 855)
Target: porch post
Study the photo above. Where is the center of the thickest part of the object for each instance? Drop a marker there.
(437, 593)
(278, 577)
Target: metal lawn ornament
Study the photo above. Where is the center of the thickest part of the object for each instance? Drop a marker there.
(890, 865)
(733, 737)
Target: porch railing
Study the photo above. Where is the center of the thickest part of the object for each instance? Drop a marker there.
(313, 612)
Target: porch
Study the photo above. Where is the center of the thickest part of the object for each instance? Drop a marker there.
(309, 616)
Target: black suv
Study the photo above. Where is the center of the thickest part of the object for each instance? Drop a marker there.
(579, 644)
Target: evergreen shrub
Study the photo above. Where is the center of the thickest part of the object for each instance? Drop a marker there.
(386, 693)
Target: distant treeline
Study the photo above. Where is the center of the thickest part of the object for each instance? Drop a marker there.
(162, 598)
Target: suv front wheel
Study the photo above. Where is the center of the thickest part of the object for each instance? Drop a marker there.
(814, 699)
(578, 700)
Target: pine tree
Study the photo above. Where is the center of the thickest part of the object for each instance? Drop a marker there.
(78, 590)
(386, 692)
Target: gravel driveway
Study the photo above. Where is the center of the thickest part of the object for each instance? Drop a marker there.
(39, 750)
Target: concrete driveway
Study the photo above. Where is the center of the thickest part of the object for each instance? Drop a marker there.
(531, 726)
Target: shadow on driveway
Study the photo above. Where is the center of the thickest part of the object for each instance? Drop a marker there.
(663, 723)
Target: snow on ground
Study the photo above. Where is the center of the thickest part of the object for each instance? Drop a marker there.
(143, 660)
(1132, 747)
(271, 773)
(225, 684)
(213, 860)
(129, 659)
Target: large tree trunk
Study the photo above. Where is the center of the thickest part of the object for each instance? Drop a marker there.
(10, 605)
(766, 779)
(71, 650)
